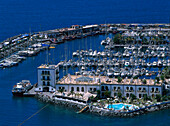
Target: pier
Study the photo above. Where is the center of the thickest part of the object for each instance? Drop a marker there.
(26, 44)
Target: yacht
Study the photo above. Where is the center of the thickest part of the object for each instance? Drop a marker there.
(20, 88)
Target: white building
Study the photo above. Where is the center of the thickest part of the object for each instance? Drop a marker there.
(47, 77)
(84, 84)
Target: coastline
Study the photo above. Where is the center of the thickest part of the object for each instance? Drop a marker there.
(101, 111)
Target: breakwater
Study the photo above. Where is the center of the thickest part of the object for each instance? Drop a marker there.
(30, 44)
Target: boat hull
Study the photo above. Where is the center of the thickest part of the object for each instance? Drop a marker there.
(19, 94)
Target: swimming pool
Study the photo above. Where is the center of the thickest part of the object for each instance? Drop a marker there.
(118, 106)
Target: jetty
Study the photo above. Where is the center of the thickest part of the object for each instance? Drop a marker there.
(30, 44)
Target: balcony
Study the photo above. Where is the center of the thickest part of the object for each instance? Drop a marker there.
(45, 79)
(45, 74)
(129, 90)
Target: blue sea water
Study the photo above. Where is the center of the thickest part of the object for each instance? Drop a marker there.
(19, 16)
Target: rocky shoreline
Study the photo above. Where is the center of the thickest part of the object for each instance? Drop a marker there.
(101, 111)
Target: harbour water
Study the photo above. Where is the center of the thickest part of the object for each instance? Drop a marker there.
(17, 16)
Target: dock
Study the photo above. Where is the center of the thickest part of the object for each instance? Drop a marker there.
(30, 93)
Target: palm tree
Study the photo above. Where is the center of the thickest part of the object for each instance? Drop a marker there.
(78, 95)
(72, 92)
(82, 95)
(61, 90)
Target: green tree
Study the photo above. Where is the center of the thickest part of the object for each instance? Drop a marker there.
(72, 92)
(119, 79)
(61, 90)
(162, 77)
(158, 97)
(144, 81)
(107, 94)
(98, 93)
(132, 97)
(145, 97)
(119, 94)
(117, 38)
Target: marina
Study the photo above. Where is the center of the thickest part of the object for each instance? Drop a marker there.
(132, 70)
(32, 43)
(129, 62)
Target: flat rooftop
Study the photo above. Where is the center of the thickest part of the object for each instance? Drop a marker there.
(45, 66)
(94, 80)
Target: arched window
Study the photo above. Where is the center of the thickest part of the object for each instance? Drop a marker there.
(131, 88)
(127, 95)
(107, 88)
(140, 95)
(42, 72)
(45, 72)
(78, 89)
(102, 88)
(82, 89)
(43, 83)
(94, 89)
(72, 88)
(152, 89)
(48, 83)
(48, 72)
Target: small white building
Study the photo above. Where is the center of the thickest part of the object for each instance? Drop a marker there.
(47, 77)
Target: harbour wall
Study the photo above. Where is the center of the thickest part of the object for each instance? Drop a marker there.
(101, 111)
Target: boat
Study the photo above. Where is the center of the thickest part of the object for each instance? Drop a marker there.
(22, 87)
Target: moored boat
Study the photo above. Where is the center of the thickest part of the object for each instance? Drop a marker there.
(22, 87)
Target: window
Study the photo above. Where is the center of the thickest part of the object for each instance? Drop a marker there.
(94, 89)
(59, 87)
(77, 88)
(114, 88)
(131, 88)
(152, 89)
(144, 89)
(45, 72)
(90, 89)
(43, 77)
(42, 72)
(48, 72)
(43, 83)
(48, 78)
(140, 95)
(118, 88)
(107, 88)
(82, 89)
(72, 88)
(156, 89)
(48, 83)
(140, 89)
(127, 95)
(102, 88)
